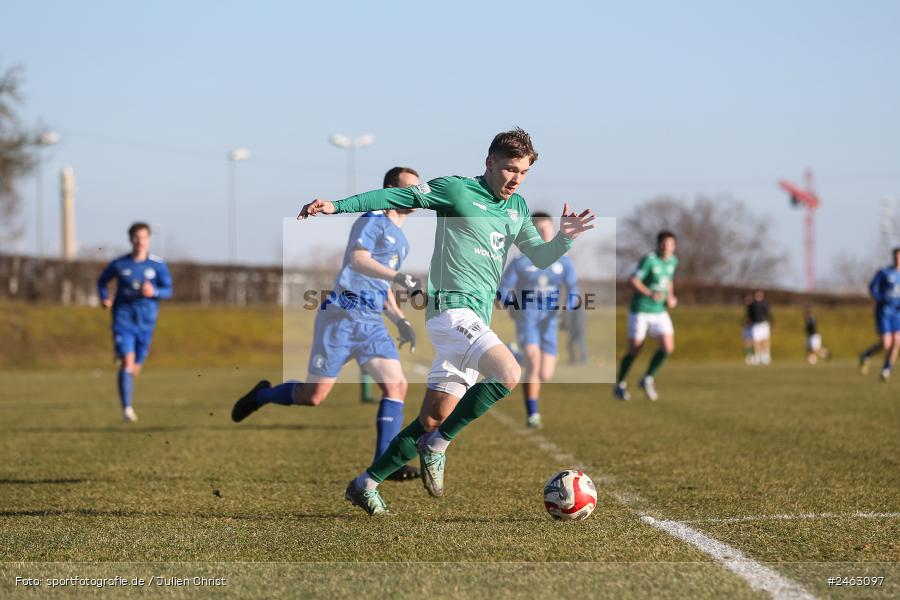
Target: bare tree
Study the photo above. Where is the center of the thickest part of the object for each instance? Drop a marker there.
(16, 157)
(719, 240)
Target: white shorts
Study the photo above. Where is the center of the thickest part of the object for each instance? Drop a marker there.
(460, 338)
(760, 332)
(814, 343)
(655, 324)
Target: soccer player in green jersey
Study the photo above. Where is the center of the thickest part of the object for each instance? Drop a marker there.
(480, 218)
(654, 292)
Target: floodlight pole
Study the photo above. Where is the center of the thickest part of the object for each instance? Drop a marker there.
(351, 145)
(235, 156)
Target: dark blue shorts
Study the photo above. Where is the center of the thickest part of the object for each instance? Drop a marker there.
(128, 340)
(338, 337)
(887, 321)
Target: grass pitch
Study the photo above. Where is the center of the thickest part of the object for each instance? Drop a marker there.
(797, 467)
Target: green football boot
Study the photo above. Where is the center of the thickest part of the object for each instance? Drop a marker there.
(431, 467)
(368, 500)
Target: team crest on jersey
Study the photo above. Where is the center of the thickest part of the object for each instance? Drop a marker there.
(424, 188)
(513, 214)
(556, 268)
(149, 273)
(497, 240)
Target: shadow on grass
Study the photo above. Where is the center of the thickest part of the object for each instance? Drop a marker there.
(38, 481)
(176, 428)
(94, 512)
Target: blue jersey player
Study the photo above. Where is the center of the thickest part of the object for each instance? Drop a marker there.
(349, 324)
(142, 280)
(533, 297)
(885, 289)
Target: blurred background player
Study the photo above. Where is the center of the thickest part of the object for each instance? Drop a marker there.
(533, 298)
(760, 317)
(654, 292)
(814, 348)
(747, 332)
(142, 280)
(350, 324)
(885, 289)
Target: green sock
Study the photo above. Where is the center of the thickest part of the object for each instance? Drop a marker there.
(477, 401)
(657, 361)
(625, 366)
(400, 451)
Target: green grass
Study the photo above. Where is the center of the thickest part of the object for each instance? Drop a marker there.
(184, 485)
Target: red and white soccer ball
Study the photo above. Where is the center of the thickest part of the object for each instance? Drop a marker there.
(570, 496)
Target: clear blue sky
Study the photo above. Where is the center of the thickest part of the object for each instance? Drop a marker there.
(624, 103)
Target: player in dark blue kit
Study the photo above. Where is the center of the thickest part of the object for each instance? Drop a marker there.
(142, 280)
(533, 298)
(349, 324)
(885, 289)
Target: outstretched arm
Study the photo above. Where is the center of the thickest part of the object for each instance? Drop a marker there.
(441, 192)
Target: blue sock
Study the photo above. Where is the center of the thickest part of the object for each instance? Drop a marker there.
(531, 405)
(388, 423)
(125, 382)
(280, 394)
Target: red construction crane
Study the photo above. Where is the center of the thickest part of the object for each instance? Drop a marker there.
(807, 198)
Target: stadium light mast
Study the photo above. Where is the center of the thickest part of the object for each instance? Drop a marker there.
(806, 198)
(44, 139)
(234, 157)
(351, 144)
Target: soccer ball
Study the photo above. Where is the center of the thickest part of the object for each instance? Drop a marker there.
(570, 496)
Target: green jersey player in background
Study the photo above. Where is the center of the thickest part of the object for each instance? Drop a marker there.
(654, 293)
(480, 218)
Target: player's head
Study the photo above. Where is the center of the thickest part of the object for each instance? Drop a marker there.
(543, 222)
(139, 234)
(401, 177)
(398, 177)
(509, 158)
(665, 243)
(897, 257)
(759, 295)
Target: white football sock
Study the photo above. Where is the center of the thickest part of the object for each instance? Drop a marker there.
(436, 441)
(365, 482)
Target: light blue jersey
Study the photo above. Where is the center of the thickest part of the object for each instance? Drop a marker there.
(349, 324)
(534, 297)
(363, 294)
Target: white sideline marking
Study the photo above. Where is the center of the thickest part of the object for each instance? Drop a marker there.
(759, 576)
(801, 517)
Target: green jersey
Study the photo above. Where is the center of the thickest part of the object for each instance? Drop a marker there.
(474, 233)
(657, 275)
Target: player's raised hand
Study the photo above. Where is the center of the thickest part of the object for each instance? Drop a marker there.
(107, 303)
(315, 207)
(572, 225)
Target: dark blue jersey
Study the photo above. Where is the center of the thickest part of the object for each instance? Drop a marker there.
(386, 242)
(525, 286)
(885, 289)
(130, 308)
